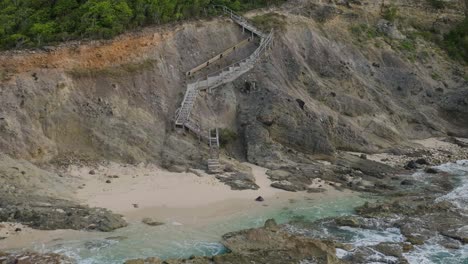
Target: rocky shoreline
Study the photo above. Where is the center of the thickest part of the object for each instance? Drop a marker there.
(408, 205)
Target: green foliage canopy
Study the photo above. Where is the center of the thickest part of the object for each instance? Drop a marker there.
(30, 23)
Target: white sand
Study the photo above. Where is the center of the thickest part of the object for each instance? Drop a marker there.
(162, 194)
(173, 198)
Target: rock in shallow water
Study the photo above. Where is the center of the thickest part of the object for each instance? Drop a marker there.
(265, 245)
(151, 222)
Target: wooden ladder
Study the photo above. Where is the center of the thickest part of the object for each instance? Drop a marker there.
(214, 166)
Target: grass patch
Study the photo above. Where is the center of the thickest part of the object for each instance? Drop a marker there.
(270, 21)
(226, 136)
(391, 13)
(3, 75)
(408, 45)
(363, 32)
(435, 76)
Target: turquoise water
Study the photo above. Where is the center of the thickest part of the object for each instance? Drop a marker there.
(179, 241)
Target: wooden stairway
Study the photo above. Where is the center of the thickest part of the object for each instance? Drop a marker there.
(213, 162)
(214, 80)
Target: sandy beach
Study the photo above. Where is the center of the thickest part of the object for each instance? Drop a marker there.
(149, 191)
(184, 199)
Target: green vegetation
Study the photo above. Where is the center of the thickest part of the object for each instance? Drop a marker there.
(408, 45)
(456, 42)
(435, 76)
(437, 4)
(269, 21)
(31, 23)
(226, 136)
(390, 13)
(364, 32)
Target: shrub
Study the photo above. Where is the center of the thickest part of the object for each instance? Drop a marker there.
(390, 13)
(269, 21)
(456, 41)
(226, 136)
(437, 4)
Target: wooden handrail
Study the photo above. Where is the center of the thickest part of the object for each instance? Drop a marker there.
(218, 57)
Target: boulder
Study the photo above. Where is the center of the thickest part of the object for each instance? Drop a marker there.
(390, 249)
(271, 224)
(278, 175)
(460, 234)
(389, 29)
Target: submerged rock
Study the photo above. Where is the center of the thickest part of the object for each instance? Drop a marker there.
(151, 222)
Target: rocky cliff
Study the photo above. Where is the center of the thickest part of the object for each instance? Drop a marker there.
(335, 80)
(342, 75)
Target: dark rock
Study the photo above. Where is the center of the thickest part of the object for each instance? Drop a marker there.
(411, 165)
(92, 172)
(108, 181)
(300, 103)
(18, 229)
(422, 161)
(363, 156)
(431, 170)
(408, 182)
(259, 199)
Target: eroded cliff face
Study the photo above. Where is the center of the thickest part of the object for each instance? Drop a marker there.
(325, 86)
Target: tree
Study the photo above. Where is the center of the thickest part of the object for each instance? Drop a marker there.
(104, 18)
(43, 31)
